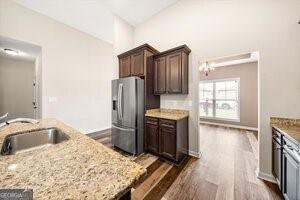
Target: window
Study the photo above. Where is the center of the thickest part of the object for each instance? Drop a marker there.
(219, 99)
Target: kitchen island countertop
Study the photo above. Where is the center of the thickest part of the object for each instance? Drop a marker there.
(79, 168)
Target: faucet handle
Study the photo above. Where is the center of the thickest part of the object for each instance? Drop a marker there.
(4, 116)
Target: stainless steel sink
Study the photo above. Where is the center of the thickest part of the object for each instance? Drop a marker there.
(31, 140)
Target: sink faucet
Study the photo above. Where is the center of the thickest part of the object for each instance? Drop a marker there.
(22, 120)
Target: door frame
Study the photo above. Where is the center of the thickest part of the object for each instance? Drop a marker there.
(37, 88)
(196, 98)
(32, 53)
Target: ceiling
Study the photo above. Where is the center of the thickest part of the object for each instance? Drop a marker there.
(96, 17)
(89, 16)
(233, 60)
(137, 11)
(26, 51)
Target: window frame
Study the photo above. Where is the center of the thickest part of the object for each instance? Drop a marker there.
(214, 81)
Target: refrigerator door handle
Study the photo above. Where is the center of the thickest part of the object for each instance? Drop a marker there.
(121, 100)
(122, 129)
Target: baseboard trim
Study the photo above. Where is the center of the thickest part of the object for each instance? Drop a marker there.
(96, 130)
(195, 154)
(266, 177)
(230, 125)
(99, 134)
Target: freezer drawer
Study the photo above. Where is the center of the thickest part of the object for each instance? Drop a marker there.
(124, 138)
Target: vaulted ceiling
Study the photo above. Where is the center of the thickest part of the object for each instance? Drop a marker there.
(137, 11)
(96, 17)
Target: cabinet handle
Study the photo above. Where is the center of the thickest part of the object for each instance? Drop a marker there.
(122, 129)
(152, 123)
(167, 126)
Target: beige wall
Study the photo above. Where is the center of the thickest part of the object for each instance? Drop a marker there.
(16, 87)
(76, 68)
(215, 29)
(247, 73)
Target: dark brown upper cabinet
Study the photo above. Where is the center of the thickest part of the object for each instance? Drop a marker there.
(124, 68)
(139, 62)
(171, 71)
(160, 75)
(134, 61)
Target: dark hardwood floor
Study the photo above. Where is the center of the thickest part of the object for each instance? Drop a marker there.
(226, 170)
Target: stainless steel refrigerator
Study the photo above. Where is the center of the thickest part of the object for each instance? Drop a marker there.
(128, 114)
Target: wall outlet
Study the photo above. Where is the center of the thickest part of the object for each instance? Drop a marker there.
(52, 99)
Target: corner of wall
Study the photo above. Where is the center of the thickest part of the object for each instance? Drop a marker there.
(123, 35)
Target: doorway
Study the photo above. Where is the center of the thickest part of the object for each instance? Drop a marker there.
(228, 92)
(228, 106)
(20, 65)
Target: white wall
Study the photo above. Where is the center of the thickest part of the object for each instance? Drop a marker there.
(76, 68)
(16, 87)
(123, 39)
(212, 29)
(82, 15)
(123, 35)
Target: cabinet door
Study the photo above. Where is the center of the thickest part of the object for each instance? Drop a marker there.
(291, 177)
(152, 137)
(277, 161)
(167, 142)
(174, 73)
(137, 64)
(160, 75)
(124, 67)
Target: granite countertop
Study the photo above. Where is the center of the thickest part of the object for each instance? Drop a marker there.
(291, 127)
(171, 114)
(79, 168)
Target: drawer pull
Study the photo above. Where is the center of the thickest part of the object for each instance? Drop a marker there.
(167, 126)
(152, 123)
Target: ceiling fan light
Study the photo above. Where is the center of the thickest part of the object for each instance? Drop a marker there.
(11, 52)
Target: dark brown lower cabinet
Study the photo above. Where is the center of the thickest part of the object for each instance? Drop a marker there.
(167, 143)
(152, 136)
(167, 138)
